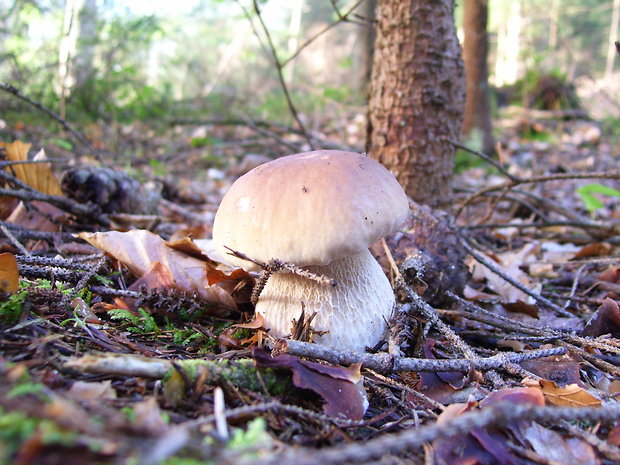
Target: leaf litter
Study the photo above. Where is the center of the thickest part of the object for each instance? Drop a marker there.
(123, 358)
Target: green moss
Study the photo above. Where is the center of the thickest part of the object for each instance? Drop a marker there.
(11, 309)
(17, 427)
(240, 373)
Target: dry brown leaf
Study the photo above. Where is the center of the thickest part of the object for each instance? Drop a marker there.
(569, 396)
(41, 216)
(148, 255)
(510, 263)
(338, 386)
(256, 323)
(9, 274)
(92, 392)
(39, 176)
(596, 249)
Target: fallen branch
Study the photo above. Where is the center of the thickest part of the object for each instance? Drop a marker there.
(75, 133)
(413, 438)
(614, 174)
(385, 363)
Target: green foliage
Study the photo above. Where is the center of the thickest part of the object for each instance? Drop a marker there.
(26, 388)
(590, 201)
(17, 427)
(11, 309)
(185, 461)
(141, 323)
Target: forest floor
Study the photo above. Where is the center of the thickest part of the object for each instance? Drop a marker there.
(505, 348)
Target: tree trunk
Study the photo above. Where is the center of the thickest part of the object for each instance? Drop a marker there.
(477, 120)
(613, 36)
(86, 42)
(417, 96)
(366, 37)
(507, 60)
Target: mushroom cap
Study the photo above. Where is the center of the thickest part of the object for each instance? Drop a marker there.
(309, 208)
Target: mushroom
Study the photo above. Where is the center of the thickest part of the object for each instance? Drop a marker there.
(321, 211)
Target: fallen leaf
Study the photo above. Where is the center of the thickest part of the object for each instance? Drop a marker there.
(606, 320)
(510, 263)
(569, 396)
(337, 386)
(561, 369)
(159, 266)
(257, 323)
(517, 396)
(521, 307)
(148, 418)
(595, 249)
(92, 392)
(611, 275)
(9, 274)
(554, 448)
(614, 436)
(39, 176)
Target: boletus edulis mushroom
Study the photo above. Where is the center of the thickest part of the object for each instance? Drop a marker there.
(320, 211)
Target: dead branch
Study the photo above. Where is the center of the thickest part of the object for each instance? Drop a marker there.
(276, 61)
(413, 438)
(75, 133)
(64, 203)
(342, 17)
(486, 158)
(385, 363)
(614, 174)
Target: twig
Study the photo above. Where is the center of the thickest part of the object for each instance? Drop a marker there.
(276, 266)
(611, 451)
(614, 174)
(14, 240)
(486, 158)
(410, 439)
(342, 17)
(278, 65)
(539, 298)
(403, 387)
(82, 283)
(76, 134)
(386, 363)
(63, 203)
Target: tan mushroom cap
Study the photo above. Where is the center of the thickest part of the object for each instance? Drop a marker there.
(309, 208)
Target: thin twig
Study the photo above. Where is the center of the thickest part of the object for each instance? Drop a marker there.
(274, 266)
(14, 240)
(342, 17)
(614, 174)
(75, 133)
(486, 158)
(278, 65)
(539, 298)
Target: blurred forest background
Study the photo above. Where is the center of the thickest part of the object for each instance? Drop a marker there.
(107, 64)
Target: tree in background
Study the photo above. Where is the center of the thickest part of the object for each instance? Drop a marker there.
(477, 120)
(417, 96)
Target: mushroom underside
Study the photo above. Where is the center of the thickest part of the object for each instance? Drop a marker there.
(354, 313)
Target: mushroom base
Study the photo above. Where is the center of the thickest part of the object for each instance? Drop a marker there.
(354, 312)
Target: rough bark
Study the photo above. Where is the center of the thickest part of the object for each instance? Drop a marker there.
(417, 96)
(475, 53)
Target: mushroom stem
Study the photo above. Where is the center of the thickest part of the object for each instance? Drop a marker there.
(354, 313)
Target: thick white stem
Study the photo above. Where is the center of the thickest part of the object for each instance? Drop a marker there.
(354, 312)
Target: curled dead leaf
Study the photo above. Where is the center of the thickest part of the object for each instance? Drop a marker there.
(161, 266)
(569, 396)
(9, 274)
(337, 386)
